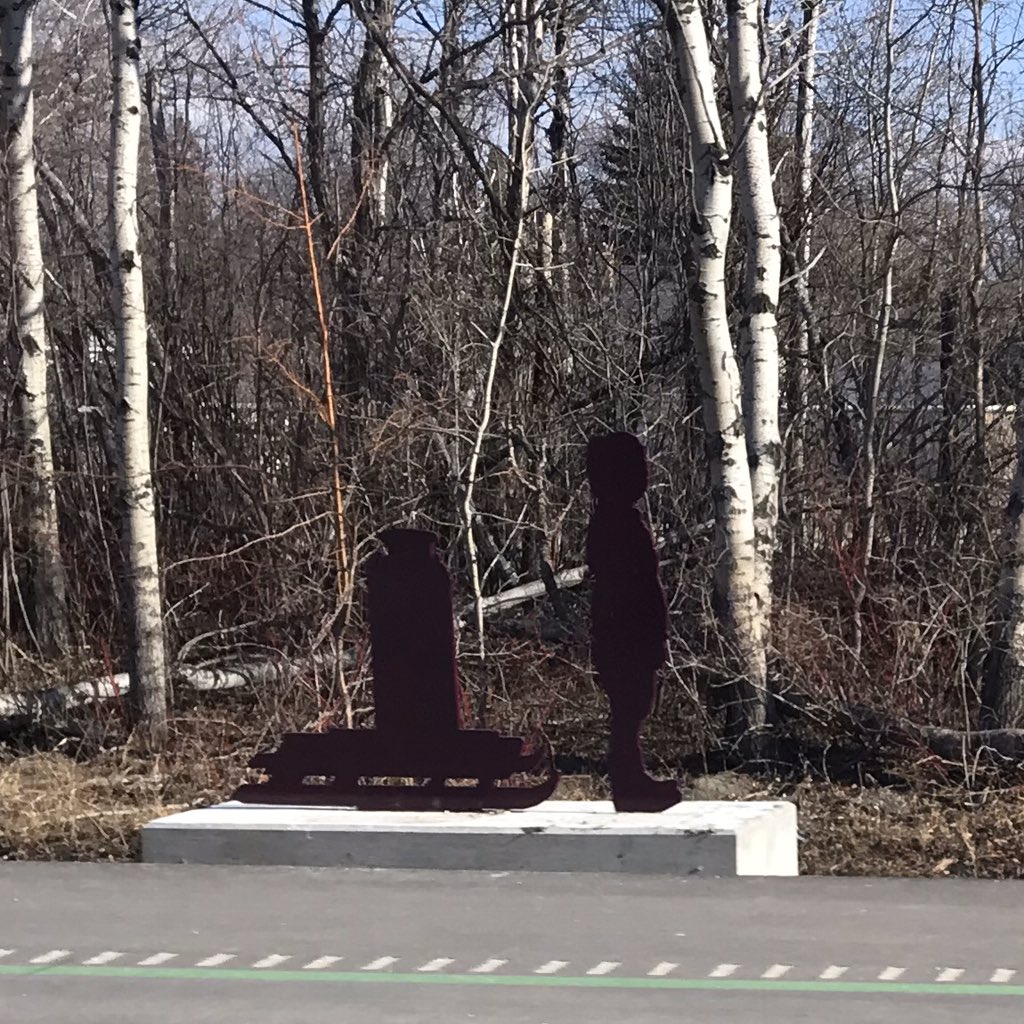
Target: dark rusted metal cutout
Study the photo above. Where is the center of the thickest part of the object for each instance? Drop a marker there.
(418, 730)
(629, 615)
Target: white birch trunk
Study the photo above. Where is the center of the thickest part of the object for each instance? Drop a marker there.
(524, 44)
(374, 115)
(48, 587)
(976, 160)
(739, 606)
(385, 119)
(807, 327)
(759, 341)
(558, 133)
(148, 668)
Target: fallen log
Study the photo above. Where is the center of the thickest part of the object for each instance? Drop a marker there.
(957, 745)
(884, 729)
(524, 592)
(569, 577)
(53, 703)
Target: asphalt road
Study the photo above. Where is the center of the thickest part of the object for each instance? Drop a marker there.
(155, 944)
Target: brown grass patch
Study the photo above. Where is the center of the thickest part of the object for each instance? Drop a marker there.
(85, 797)
(849, 830)
(58, 809)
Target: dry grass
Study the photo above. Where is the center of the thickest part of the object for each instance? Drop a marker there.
(59, 808)
(854, 831)
(85, 796)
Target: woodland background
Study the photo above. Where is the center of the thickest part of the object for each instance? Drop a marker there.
(402, 257)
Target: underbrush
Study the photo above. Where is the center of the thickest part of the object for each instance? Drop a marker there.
(83, 792)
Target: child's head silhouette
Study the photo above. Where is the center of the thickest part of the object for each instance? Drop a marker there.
(617, 468)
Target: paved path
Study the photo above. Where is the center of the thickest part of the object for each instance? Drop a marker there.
(158, 945)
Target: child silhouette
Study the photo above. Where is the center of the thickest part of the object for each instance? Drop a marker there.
(629, 617)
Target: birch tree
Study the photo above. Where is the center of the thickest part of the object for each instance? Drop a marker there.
(973, 186)
(737, 576)
(142, 572)
(555, 228)
(48, 589)
(759, 342)
(524, 43)
(807, 339)
(372, 117)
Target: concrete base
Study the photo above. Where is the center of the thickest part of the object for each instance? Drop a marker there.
(692, 838)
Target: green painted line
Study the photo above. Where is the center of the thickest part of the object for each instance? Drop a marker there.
(517, 980)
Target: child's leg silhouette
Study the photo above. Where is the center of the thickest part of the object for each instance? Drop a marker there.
(631, 699)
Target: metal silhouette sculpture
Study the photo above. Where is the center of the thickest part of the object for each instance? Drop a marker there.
(629, 616)
(418, 732)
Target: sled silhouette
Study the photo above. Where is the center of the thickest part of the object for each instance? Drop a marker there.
(418, 705)
(345, 758)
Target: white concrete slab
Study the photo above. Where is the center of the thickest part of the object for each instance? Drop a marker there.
(692, 838)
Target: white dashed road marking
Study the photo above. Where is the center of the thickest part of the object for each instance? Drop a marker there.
(551, 967)
(832, 972)
(51, 957)
(724, 970)
(270, 961)
(436, 965)
(102, 958)
(321, 962)
(487, 966)
(156, 959)
(660, 970)
(380, 963)
(216, 960)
